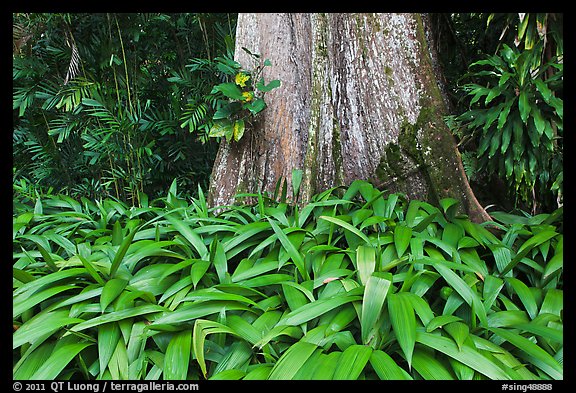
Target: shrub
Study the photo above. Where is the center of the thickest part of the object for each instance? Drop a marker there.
(356, 284)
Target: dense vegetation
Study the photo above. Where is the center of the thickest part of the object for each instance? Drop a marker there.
(116, 104)
(361, 286)
(122, 271)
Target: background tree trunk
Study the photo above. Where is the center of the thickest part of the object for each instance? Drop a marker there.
(359, 100)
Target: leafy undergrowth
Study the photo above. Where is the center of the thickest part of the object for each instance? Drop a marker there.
(357, 284)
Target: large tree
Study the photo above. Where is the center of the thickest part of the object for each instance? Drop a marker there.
(359, 99)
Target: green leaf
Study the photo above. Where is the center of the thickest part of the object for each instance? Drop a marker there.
(352, 362)
(229, 89)
(463, 290)
(403, 322)
(429, 367)
(270, 86)
(108, 336)
(402, 236)
(119, 256)
(117, 235)
(440, 321)
(346, 226)
(41, 326)
(466, 355)
(118, 316)
(315, 309)
(190, 235)
(221, 128)
(218, 259)
(533, 353)
(23, 303)
(177, 356)
(386, 367)
(59, 360)
(238, 129)
(525, 295)
(292, 360)
(255, 106)
(111, 291)
(459, 332)
(524, 106)
(375, 291)
(290, 248)
(365, 262)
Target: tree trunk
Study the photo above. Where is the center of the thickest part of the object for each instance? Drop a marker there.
(359, 100)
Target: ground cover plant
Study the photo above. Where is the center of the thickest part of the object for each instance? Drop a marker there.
(356, 284)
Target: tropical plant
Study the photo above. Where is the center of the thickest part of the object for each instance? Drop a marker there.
(514, 122)
(95, 114)
(356, 284)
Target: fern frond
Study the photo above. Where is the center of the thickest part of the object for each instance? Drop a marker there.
(74, 62)
(470, 163)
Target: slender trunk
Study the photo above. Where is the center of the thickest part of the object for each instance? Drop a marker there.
(359, 100)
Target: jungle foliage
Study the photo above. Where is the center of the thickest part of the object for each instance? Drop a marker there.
(121, 270)
(109, 104)
(506, 78)
(354, 285)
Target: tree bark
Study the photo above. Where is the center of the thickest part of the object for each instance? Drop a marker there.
(359, 100)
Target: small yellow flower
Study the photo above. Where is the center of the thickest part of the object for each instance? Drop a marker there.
(241, 79)
(248, 96)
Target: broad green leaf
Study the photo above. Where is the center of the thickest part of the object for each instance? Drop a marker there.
(524, 106)
(59, 360)
(291, 249)
(41, 326)
(228, 375)
(375, 291)
(525, 295)
(466, 355)
(111, 291)
(108, 336)
(533, 353)
(229, 89)
(118, 316)
(459, 332)
(440, 321)
(117, 235)
(491, 289)
(201, 329)
(118, 365)
(463, 290)
(352, 362)
(188, 313)
(528, 245)
(218, 259)
(198, 270)
(403, 323)
(32, 362)
(554, 265)
(365, 262)
(429, 367)
(386, 367)
(186, 231)
(177, 356)
(402, 236)
(119, 256)
(315, 309)
(292, 360)
(22, 303)
(259, 373)
(346, 226)
(553, 302)
(238, 129)
(507, 318)
(266, 88)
